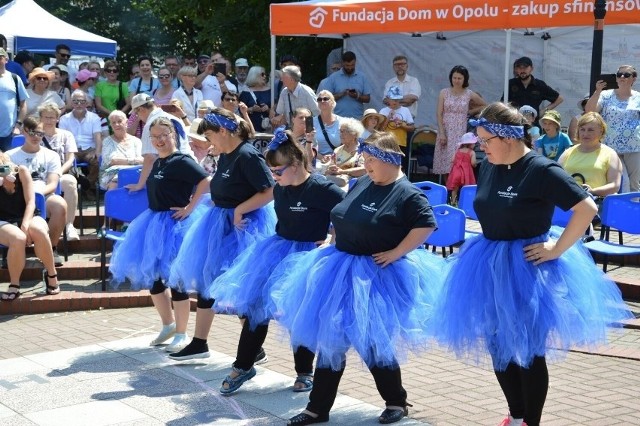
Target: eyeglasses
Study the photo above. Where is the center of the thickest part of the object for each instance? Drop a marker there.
(111, 70)
(161, 137)
(624, 74)
(42, 79)
(280, 172)
(35, 133)
(400, 64)
(484, 142)
(64, 55)
(230, 99)
(78, 101)
(323, 99)
(189, 75)
(164, 76)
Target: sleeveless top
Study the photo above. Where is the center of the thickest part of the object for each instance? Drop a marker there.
(592, 165)
(12, 206)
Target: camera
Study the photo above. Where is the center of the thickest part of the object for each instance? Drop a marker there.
(5, 170)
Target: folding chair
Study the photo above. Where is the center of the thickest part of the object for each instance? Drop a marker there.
(18, 140)
(128, 176)
(560, 217)
(465, 202)
(122, 205)
(622, 213)
(436, 193)
(450, 230)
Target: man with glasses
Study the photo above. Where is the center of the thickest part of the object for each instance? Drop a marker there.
(409, 86)
(212, 84)
(63, 54)
(525, 89)
(294, 95)
(13, 105)
(87, 130)
(173, 64)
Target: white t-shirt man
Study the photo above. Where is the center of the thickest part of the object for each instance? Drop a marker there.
(40, 164)
(211, 89)
(83, 130)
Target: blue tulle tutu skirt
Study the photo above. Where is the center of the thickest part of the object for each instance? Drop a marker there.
(245, 287)
(151, 243)
(331, 301)
(495, 302)
(213, 243)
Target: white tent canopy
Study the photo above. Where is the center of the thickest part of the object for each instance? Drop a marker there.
(28, 26)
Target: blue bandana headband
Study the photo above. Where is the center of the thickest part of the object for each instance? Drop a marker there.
(279, 137)
(221, 121)
(386, 156)
(502, 130)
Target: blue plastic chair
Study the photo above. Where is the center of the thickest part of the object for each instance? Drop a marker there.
(450, 232)
(436, 193)
(622, 213)
(18, 140)
(465, 202)
(122, 205)
(129, 176)
(560, 217)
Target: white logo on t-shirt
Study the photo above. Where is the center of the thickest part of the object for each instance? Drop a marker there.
(226, 174)
(507, 193)
(369, 208)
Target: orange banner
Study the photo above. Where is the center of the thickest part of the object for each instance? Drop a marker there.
(415, 16)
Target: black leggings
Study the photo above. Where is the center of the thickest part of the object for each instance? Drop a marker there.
(252, 340)
(525, 389)
(176, 295)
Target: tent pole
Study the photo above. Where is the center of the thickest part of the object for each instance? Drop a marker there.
(599, 13)
(273, 70)
(507, 70)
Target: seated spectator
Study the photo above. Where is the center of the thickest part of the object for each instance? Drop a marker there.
(60, 85)
(346, 161)
(86, 81)
(190, 97)
(205, 107)
(554, 142)
(39, 93)
(163, 94)
(204, 152)
(119, 151)
(592, 164)
(45, 169)
(327, 124)
(64, 144)
(87, 130)
(111, 94)
(145, 83)
(573, 124)
(372, 121)
(20, 226)
(257, 96)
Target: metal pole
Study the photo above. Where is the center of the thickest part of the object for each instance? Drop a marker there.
(599, 12)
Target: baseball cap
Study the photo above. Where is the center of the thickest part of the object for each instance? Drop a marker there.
(203, 56)
(140, 99)
(84, 75)
(242, 62)
(394, 93)
(525, 61)
(528, 109)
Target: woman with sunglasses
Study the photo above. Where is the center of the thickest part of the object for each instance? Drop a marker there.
(532, 288)
(302, 202)
(326, 125)
(152, 240)
(372, 291)
(257, 97)
(111, 94)
(231, 103)
(241, 191)
(39, 92)
(163, 94)
(620, 109)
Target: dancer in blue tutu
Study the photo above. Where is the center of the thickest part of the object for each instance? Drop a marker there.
(152, 240)
(302, 203)
(242, 213)
(520, 289)
(372, 291)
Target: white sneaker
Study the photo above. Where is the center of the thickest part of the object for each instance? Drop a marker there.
(167, 332)
(72, 234)
(180, 340)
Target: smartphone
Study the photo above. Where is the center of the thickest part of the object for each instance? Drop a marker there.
(5, 170)
(219, 68)
(308, 124)
(610, 79)
(169, 108)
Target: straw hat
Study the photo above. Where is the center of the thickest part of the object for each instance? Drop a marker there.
(37, 72)
(371, 112)
(193, 130)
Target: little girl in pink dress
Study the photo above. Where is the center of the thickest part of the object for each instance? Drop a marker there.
(464, 161)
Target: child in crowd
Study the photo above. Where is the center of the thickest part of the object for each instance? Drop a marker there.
(372, 120)
(531, 114)
(554, 142)
(399, 119)
(464, 161)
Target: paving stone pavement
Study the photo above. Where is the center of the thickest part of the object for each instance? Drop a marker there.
(95, 368)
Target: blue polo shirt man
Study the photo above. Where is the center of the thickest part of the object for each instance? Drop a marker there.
(350, 88)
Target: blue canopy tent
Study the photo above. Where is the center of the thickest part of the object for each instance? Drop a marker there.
(27, 26)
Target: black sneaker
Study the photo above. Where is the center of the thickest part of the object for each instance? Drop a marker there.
(261, 358)
(193, 350)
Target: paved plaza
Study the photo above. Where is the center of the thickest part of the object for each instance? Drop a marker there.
(96, 368)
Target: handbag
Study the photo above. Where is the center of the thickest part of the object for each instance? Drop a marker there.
(265, 122)
(121, 102)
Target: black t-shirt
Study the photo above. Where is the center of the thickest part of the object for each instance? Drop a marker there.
(12, 206)
(518, 202)
(532, 95)
(303, 210)
(374, 218)
(240, 175)
(171, 181)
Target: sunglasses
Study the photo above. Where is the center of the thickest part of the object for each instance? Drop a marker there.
(42, 79)
(35, 133)
(164, 76)
(624, 74)
(64, 55)
(111, 70)
(280, 172)
(78, 101)
(324, 99)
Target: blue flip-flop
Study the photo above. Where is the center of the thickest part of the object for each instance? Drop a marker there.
(235, 383)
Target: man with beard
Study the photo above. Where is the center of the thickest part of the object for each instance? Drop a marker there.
(242, 69)
(525, 89)
(350, 88)
(409, 86)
